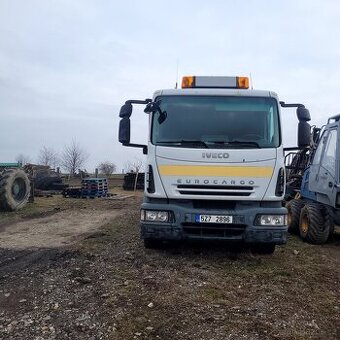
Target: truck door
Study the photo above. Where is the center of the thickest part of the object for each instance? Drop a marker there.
(323, 169)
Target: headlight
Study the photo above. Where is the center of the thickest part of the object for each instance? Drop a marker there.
(155, 216)
(272, 220)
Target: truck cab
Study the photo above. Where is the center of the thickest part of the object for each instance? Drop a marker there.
(215, 164)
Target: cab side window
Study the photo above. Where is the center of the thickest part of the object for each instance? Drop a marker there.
(318, 152)
(328, 160)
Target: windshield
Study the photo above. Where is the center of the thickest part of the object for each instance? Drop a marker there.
(216, 122)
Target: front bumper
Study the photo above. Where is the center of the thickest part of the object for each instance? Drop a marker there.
(242, 230)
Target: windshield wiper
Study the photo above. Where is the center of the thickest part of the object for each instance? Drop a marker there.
(237, 143)
(185, 142)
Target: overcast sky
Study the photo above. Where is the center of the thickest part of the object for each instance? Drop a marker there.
(67, 66)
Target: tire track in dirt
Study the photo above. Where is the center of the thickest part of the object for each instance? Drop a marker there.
(60, 229)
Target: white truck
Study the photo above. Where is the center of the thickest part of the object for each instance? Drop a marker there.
(215, 163)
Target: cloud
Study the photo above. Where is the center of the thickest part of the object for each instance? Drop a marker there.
(66, 67)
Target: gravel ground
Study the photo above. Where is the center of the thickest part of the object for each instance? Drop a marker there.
(107, 286)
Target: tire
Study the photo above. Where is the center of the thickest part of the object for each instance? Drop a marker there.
(313, 226)
(294, 207)
(150, 243)
(329, 220)
(266, 248)
(14, 189)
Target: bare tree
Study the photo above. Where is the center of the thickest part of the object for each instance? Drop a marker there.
(23, 159)
(73, 157)
(107, 168)
(137, 165)
(47, 156)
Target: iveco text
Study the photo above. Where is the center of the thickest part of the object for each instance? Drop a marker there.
(215, 155)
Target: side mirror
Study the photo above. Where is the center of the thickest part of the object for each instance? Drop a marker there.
(304, 134)
(124, 131)
(125, 110)
(303, 114)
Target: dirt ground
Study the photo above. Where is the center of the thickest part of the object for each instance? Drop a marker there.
(63, 222)
(76, 269)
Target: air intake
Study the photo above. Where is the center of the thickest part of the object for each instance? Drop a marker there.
(215, 190)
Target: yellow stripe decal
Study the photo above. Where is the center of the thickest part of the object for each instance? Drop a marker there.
(215, 171)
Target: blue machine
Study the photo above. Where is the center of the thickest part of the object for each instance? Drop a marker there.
(314, 187)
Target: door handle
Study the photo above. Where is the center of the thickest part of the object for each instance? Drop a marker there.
(330, 184)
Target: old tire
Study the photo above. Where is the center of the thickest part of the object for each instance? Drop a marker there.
(313, 225)
(294, 207)
(14, 189)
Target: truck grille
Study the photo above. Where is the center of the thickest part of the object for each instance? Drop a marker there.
(213, 230)
(215, 190)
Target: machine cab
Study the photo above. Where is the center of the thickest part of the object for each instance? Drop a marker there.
(324, 168)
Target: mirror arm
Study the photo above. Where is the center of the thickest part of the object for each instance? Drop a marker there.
(144, 147)
(133, 101)
(283, 104)
(293, 148)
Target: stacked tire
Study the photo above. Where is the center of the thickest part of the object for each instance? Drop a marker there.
(130, 179)
(48, 182)
(14, 189)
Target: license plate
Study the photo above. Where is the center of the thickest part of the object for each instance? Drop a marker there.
(213, 219)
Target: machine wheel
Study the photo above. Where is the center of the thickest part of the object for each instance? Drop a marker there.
(294, 207)
(150, 243)
(14, 189)
(313, 226)
(263, 248)
(329, 220)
